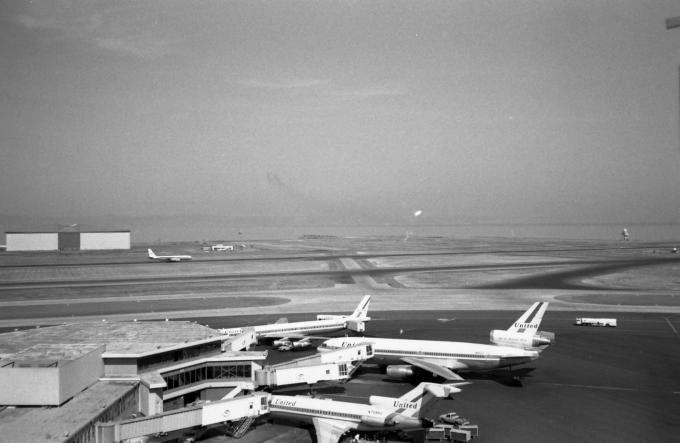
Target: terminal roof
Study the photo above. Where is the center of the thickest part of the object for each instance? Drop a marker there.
(29, 425)
(122, 338)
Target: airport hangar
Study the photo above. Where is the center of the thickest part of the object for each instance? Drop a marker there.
(104, 382)
(66, 239)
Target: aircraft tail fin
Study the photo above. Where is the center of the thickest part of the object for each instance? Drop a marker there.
(362, 309)
(151, 254)
(529, 322)
(413, 402)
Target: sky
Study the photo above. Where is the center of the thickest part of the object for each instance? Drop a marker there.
(535, 111)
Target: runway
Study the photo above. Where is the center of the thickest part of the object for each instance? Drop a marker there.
(472, 275)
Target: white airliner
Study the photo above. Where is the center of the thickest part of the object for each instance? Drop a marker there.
(296, 335)
(170, 258)
(331, 419)
(521, 343)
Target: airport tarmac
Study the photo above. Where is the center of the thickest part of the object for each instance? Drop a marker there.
(595, 384)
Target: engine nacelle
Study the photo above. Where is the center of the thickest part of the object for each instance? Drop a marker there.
(356, 325)
(377, 400)
(376, 421)
(505, 338)
(400, 371)
(301, 344)
(281, 343)
(329, 316)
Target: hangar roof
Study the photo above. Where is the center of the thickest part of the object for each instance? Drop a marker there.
(48, 229)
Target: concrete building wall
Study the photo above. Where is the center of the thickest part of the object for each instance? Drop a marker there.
(50, 386)
(120, 366)
(76, 375)
(29, 386)
(104, 240)
(150, 400)
(32, 241)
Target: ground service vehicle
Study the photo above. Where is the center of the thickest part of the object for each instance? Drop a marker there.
(606, 322)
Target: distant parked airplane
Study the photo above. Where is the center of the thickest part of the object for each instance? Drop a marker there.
(170, 258)
(296, 335)
(521, 343)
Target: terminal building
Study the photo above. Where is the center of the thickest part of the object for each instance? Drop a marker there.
(66, 239)
(105, 382)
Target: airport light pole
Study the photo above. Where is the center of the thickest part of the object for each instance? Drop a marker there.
(674, 22)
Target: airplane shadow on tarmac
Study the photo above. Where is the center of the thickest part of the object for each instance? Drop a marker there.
(506, 377)
(512, 377)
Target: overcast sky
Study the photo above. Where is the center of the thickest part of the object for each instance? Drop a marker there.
(534, 110)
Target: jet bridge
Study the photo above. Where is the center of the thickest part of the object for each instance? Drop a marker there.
(337, 365)
(238, 413)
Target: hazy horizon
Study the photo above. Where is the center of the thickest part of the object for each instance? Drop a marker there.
(235, 229)
(518, 111)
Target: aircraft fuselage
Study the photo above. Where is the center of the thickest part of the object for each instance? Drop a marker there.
(452, 355)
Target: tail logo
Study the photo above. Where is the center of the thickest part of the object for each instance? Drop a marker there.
(404, 405)
(526, 325)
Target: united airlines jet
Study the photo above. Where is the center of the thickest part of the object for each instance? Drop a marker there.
(331, 419)
(521, 343)
(297, 334)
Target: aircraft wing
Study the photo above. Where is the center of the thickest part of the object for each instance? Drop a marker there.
(291, 336)
(279, 335)
(434, 368)
(329, 430)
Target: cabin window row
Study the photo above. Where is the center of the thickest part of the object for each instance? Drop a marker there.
(320, 412)
(294, 329)
(434, 354)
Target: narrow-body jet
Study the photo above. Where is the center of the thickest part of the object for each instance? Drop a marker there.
(298, 335)
(332, 419)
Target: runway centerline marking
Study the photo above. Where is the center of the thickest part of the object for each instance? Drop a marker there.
(675, 331)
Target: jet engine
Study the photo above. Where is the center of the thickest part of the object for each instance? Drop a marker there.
(282, 342)
(376, 421)
(301, 344)
(400, 371)
(329, 316)
(505, 338)
(377, 400)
